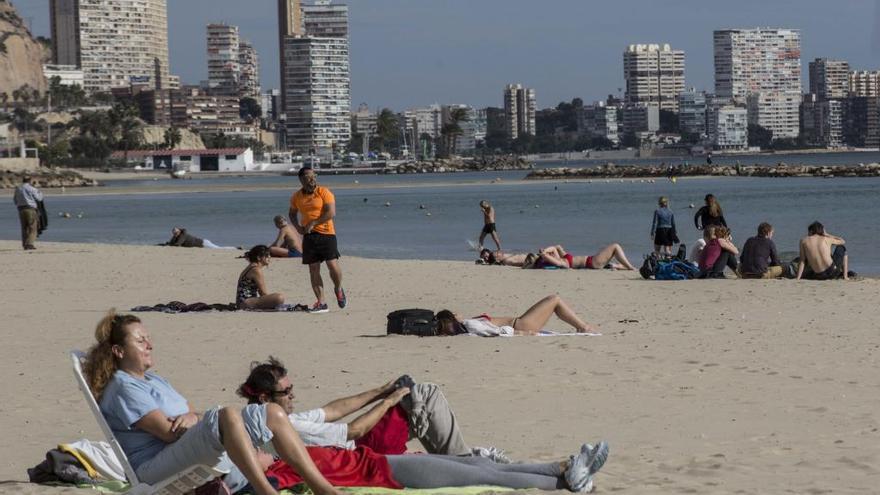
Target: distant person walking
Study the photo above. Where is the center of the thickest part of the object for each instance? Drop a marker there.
(28, 200)
(709, 214)
(316, 207)
(663, 228)
(488, 225)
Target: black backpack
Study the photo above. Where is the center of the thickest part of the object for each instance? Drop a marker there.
(649, 267)
(412, 322)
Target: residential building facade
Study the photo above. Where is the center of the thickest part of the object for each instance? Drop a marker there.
(729, 129)
(692, 112)
(600, 120)
(829, 79)
(640, 118)
(324, 19)
(822, 121)
(778, 112)
(249, 71)
(654, 75)
(68, 75)
(223, 59)
(861, 122)
(115, 43)
(864, 83)
(520, 104)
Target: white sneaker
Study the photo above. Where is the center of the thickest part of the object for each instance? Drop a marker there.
(492, 453)
(584, 465)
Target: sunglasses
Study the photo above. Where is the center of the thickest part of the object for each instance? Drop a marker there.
(282, 393)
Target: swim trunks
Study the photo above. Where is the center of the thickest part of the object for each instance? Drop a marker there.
(589, 262)
(293, 253)
(318, 248)
(569, 258)
(489, 228)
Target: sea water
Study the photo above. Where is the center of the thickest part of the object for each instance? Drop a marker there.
(437, 216)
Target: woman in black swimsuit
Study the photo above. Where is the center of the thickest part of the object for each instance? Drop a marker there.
(251, 292)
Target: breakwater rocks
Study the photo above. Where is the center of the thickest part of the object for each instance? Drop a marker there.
(612, 171)
(46, 178)
(448, 165)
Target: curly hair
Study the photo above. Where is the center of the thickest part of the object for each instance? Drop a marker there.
(263, 378)
(100, 363)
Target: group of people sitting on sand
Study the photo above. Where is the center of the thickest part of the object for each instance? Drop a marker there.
(611, 256)
(266, 446)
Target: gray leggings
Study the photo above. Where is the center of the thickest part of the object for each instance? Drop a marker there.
(437, 471)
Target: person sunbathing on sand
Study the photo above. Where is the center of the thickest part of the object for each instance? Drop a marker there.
(529, 323)
(500, 257)
(558, 257)
(251, 291)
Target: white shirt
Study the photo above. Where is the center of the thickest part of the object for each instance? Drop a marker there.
(482, 327)
(697, 250)
(314, 430)
(27, 195)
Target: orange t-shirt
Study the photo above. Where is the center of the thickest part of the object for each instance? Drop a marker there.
(310, 206)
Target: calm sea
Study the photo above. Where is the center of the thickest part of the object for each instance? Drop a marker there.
(427, 218)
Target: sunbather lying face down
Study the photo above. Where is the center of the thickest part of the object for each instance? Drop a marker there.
(349, 466)
(529, 323)
(161, 434)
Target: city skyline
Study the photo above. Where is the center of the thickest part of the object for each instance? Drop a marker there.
(467, 55)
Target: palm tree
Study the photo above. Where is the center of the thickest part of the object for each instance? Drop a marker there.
(386, 128)
(4, 97)
(457, 116)
(128, 132)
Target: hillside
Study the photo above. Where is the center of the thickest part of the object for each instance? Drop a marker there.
(20, 54)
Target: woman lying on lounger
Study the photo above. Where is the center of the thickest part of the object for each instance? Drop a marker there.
(529, 323)
(609, 255)
(251, 291)
(160, 433)
(364, 467)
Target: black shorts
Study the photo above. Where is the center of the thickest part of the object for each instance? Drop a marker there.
(665, 236)
(489, 228)
(318, 248)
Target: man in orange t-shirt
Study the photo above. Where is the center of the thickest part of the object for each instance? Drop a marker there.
(312, 210)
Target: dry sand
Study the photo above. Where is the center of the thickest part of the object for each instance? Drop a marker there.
(719, 387)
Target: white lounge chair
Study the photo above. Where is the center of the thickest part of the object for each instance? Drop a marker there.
(181, 483)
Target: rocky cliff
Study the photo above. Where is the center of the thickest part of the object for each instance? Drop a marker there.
(20, 54)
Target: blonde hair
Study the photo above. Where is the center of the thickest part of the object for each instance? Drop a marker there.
(100, 364)
(722, 232)
(663, 201)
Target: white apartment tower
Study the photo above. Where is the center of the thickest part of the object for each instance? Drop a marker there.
(654, 75)
(223, 53)
(764, 61)
(728, 128)
(249, 66)
(519, 110)
(829, 79)
(114, 42)
(323, 19)
(864, 83)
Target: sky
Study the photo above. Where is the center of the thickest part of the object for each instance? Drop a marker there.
(407, 53)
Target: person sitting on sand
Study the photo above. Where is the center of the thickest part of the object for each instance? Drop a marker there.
(181, 238)
(710, 214)
(720, 252)
(611, 254)
(529, 323)
(288, 244)
(759, 258)
(500, 257)
(817, 261)
(251, 291)
(385, 427)
(162, 435)
(365, 467)
(700, 244)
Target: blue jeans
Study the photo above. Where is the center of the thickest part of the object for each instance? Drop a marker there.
(202, 444)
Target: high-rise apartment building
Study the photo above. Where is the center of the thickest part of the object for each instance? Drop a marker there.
(822, 121)
(223, 54)
(829, 79)
(640, 118)
(864, 83)
(861, 122)
(249, 67)
(519, 110)
(318, 94)
(600, 120)
(692, 112)
(729, 128)
(761, 61)
(114, 42)
(654, 75)
(323, 19)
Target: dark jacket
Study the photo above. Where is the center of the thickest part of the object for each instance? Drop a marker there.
(185, 240)
(703, 219)
(755, 255)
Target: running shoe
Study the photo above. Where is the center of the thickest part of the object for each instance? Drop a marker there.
(586, 464)
(319, 308)
(494, 454)
(340, 298)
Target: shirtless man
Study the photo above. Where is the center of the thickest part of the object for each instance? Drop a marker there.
(488, 224)
(817, 261)
(609, 255)
(289, 243)
(499, 257)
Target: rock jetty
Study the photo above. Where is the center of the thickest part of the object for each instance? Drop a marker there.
(449, 165)
(612, 171)
(46, 178)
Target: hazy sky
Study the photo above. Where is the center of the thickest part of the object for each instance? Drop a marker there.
(408, 53)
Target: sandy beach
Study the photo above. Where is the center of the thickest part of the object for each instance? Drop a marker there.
(710, 387)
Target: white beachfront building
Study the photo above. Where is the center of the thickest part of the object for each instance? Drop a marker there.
(209, 160)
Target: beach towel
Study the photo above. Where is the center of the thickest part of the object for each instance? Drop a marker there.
(175, 307)
(302, 489)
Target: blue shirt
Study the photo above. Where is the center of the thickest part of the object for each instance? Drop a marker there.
(27, 195)
(126, 400)
(663, 219)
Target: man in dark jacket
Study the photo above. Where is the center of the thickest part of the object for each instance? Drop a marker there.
(759, 258)
(181, 238)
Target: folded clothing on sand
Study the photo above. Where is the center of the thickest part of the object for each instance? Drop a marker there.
(180, 307)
